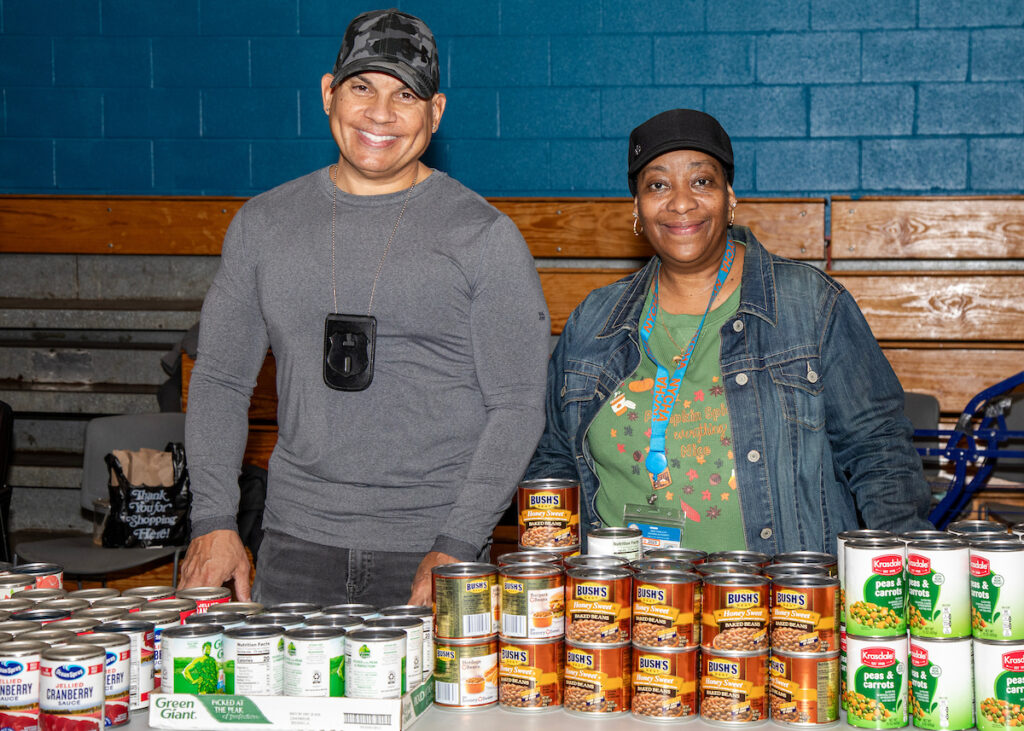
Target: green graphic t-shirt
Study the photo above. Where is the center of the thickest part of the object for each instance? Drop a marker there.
(698, 442)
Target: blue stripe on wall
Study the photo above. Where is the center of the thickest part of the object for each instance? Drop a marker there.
(848, 97)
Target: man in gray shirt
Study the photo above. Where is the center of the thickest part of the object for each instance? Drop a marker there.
(410, 334)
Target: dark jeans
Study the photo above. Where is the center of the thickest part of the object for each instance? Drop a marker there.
(291, 569)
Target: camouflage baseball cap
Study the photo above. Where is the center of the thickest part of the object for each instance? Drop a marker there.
(393, 43)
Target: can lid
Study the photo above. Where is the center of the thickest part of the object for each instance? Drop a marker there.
(736, 580)
(532, 570)
(20, 648)
(977, 543)
(376, 634)
(218, 618)
(586, 573)
(849, 535)
(614, 531)
(293, 608)
(344, 621)
(800, 581)
(126, 625)
(794, 569)
(193, 630)
(807, 557)
(157, 615)
(683, 554)
(754, 557)
(548, 483)
(589, 560)
(315, 633)
(397, 622)
(889, 541)
(924, 535)
(666, 577)
(246, 608)
(726, 567)
(661, 564)
(252, 631)
(106, 639)
(949, 543)
(74, 651)
(457, 570)
(278, 618)
(528, 557)
(407, 610)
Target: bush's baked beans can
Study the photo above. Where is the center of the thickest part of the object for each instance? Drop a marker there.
(615, 541)
(247, 609)
(664, 609)
(11, 584)
(664, 683)
(45, 594)
(599, 605)
(19, 683)
(529, 557)
(938, 588)
(841, 540)
(805, 614)
(205, 596)
(876, 681)
(803, 689)
(140, 634)
(413, 628)
(47, 575)
(734, 612)
(598, 678)
(875, 587)
(941, 692)
(968, 528)
(17, 627)
(162, 619)
(184, 607)
(104, 614)
(314, 662)
(130, 604)
(693, 555)
(587, 561)
(733, 686)
(794, 569)
(466, 600)
(530, 674)
(549, 513)
(532, 601)
(752, 557)
(998, 685)
(151, 593)
(426, 617)
(72, 685)
(363, 611)
(193, 659)
(997, 589)
(94, 595)
(809, 558)
(254, 660)
(117, 687)
(466, 672)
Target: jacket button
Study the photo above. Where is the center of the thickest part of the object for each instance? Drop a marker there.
(812, 377)
(741, 379)
(563, 391)
(766, 533)
(737, 326)
(753, 455)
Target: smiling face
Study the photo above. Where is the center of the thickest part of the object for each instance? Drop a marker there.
(381, 128)
(683, 200)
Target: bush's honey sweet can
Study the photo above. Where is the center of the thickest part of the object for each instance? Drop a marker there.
(599, 605)
(733, 687)
(664, 609)
(827, 561)
(941, 688)
(466, 673)
(549, 513)
(467, 600)
(664, 683)
(803, 689)
(938, 588)
(805, 614)
(530, 674)
(598, 678)
(734, 612)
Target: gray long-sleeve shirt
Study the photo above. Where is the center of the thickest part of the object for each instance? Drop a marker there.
(428, 456)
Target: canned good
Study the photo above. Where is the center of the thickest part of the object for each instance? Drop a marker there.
(693, 555)
(598, 678)
(140, 634)
(314, 662)
(50, 636)
(804, 689)
(925, 535)
(94, 595)
(117, 686)
(11, 584)
(875, 587)
(660, 564)
(595, 562)
(941, 692)
(40, 595)
(549, 513)
(734, 613)
(184, 607)
(809, 558)
(876, 681)
(599, 605)
(72, 686)
(43, 616)
(794, 569)
(151, 593)
(227, 620)
(938, 588)
(162, 619)
(19, 683)
(664, 609)
(805, 614)
(664, 682)
(466, 672)
(364, 611)
(284, 621)
(79, 625)
(18, 627)
(968, 528)
(1017, 529)
(247, 609)
(842, 667)
(10, 606)
(71, 605)
(615, 541)
(129, 604)
(413, 628)
(998, 685)
(466, 600)
(841, 540)
(711, 568)
(532, 601)
(733, 686)
(346, 622)
(305, 609)
(426, 617)
(192, 659)
(254, 660)
(529, 557)
(563, 553)
(530, 674)
(205, 596)
(47, 575)
(997, 590)
(104, 614)
(374, 663)
(752, 557)
(6, 637)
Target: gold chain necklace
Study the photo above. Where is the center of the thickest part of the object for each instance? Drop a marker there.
(676, 359)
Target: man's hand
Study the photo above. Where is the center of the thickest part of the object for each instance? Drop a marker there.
(422, 583)
(213, 559)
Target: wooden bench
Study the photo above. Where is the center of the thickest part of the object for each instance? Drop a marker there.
(938, 279)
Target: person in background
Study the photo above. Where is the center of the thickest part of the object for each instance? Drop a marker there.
(410, 336)
(723, 396)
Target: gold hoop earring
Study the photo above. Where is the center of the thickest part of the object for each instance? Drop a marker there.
(635, 221)
(732, 216)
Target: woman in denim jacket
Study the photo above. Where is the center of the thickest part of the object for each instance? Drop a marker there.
(787, 427)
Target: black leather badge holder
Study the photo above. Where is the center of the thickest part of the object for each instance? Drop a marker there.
(348, 351)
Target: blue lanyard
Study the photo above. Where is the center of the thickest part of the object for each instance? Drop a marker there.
(666, 388)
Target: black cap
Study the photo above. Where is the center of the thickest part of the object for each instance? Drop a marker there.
(393, 43)
(678, 129)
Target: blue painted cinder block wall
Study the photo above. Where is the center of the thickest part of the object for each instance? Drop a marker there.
(222, 96)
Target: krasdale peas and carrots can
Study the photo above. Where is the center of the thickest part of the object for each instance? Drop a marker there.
(875, 587)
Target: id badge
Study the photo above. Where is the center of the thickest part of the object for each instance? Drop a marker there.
(660, 527)
(349, 342)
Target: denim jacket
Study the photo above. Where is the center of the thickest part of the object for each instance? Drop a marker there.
(819, 436)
